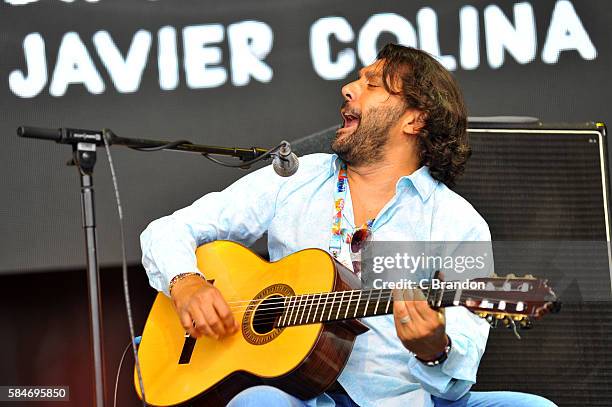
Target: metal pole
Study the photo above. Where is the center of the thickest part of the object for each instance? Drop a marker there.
(85, 157)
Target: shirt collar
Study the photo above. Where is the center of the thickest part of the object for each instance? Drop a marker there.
(421, 179)
(334, 164)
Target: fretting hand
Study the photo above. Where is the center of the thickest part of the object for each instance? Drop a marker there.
(420, 328)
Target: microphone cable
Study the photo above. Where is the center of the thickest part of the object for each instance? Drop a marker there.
(125, 351)
(126, 288)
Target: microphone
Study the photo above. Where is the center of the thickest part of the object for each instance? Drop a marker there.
(318, 142)
(285, 162)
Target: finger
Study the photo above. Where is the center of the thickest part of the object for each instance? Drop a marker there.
(402, 321)
(413, 313)
(225, 314)
(399, 306)
(424, 310)
(187, 323)
(442, 316)
(214, 320)
(201, 324)
(399, 310)
(415, 319)
(417, 295)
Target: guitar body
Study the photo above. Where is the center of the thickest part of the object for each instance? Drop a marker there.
(302, 360)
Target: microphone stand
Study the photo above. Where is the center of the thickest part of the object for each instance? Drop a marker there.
(84, 143)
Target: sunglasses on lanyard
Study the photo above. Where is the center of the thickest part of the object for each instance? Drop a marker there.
(359, 241)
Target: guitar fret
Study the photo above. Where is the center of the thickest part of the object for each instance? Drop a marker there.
(291, 306)
(388, 303)
(310, 307)
(324, 305)
(281, 320)
(357, 306)
(304, 309)
(340, 304)
(365, 310)
(314, 317)
(332, 306)
(439, 303)
(296, 308)
(457, 299)
(377, 301)
(348, 304)
(297, 312)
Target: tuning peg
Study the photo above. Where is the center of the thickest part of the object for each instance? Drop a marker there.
(511, 275)
(515, 329)
(492, 321)
(529, 277)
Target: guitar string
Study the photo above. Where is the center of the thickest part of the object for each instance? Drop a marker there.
(265, 319)
(305, 298)
(303, 305)
(367, 291)
(261, 322)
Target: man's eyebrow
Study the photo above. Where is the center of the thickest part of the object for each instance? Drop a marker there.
(372, 75)
(368, 74)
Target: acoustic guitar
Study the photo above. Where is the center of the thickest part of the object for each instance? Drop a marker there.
(298, 320)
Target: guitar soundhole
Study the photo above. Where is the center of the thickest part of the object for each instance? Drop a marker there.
(267, 313)
(259, 319)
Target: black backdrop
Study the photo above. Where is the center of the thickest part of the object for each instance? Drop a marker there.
(40, 213)
(44, 315)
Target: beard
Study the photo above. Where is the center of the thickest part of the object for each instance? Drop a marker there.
(366, 144)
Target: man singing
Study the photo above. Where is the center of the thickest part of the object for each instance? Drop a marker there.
(403, 143)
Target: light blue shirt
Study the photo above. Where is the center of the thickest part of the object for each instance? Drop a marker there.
(297, 214)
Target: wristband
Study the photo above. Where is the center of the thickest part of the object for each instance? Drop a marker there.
(181, 276)
(440, 358)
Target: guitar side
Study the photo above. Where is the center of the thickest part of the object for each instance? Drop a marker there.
(302, 360)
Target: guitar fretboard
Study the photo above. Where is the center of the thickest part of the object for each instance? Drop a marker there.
(339, 305)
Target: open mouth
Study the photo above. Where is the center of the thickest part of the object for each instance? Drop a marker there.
(349, 119)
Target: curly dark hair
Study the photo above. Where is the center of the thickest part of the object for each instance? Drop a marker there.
(428, 87)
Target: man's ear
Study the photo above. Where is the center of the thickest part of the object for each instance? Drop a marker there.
(412, 121)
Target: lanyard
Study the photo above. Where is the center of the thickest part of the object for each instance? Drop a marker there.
(336, 240)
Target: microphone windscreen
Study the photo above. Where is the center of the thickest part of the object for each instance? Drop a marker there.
(319, 142)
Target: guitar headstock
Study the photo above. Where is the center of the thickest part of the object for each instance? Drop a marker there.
(511, 301)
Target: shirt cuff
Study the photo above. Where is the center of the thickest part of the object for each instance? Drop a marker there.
(454, 376)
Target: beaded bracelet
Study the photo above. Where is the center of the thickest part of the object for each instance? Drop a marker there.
(181, 276)
(440, 358)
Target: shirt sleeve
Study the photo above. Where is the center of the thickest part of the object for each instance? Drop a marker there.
(468, 333)
(242, 213)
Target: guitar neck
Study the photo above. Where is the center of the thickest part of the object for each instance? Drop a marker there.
(498, 297)
(340, 305)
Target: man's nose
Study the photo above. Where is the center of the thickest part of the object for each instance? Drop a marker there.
(350, 92)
